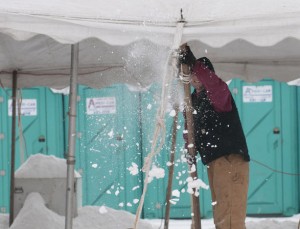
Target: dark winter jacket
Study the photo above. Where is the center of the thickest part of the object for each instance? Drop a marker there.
(217, 127)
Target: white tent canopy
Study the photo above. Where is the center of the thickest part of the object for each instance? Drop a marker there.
(128, 41)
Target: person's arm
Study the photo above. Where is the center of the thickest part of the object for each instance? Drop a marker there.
(217, 90)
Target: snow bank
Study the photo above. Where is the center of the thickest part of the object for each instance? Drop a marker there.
(35, 215)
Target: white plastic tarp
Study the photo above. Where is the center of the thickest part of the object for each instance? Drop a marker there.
(128, 41)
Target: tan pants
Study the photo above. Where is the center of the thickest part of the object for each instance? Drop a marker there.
(228, 179)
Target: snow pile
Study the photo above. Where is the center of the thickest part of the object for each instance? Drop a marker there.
(35, 215)
(43, 166)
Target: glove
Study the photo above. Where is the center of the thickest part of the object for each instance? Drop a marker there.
(187, 57)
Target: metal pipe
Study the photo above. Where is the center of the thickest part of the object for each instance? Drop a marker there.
(13, 148)
(196, 216)
(71, 137)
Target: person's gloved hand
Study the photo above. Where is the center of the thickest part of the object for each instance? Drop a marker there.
(187, 57)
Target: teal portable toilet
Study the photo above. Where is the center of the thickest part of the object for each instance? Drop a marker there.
(268, 114)
(108, 142)
(39, 129)
(5, 155)
(290, 149)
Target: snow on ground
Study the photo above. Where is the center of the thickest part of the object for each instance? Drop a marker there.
(251, 223)
(35, 215)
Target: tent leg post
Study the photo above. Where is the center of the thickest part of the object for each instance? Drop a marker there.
(171, 168)
(196, 215)
(71, 137)
(13, 148)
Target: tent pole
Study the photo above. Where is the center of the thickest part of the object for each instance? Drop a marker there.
(71, 137)
(196, 215)
(13, 148)
(171, 167)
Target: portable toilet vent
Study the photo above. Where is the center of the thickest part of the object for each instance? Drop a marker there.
(46, 175)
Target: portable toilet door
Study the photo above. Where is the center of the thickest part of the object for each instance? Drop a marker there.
(267, 112)
(39, 129)
(108, 137)
(4, 155)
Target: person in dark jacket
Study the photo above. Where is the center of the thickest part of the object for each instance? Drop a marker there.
(220, 141)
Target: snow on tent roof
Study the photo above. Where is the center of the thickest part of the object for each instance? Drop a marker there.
(43, 166)
(119, 22)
